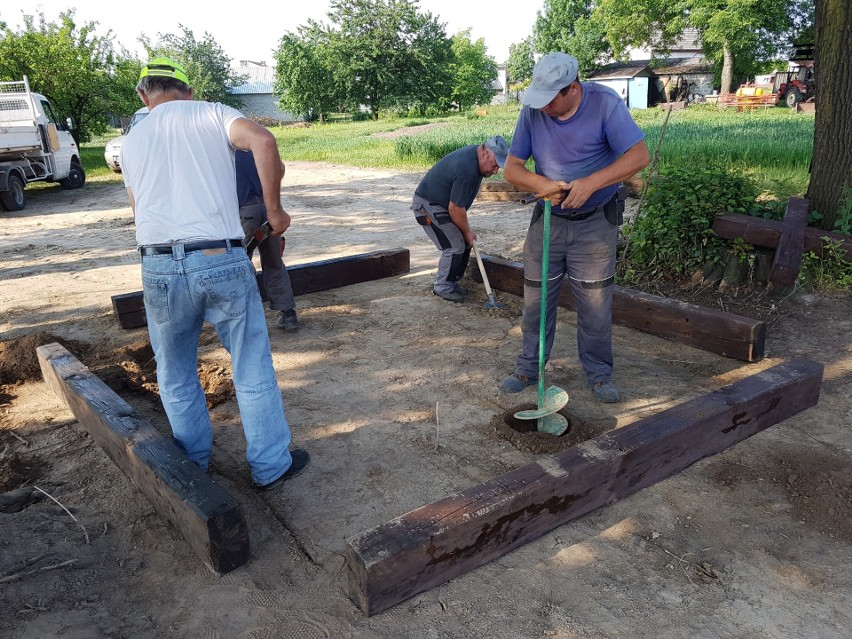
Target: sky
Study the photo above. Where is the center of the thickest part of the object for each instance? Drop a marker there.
(254, 34)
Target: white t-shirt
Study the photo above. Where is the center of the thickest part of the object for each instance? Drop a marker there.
(179, 164)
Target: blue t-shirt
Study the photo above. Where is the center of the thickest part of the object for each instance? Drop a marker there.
(594, 137)
(248, 181)
(455, 178)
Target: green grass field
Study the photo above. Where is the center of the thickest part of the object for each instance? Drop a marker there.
(772, 146)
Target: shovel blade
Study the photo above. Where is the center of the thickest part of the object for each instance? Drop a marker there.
(555, 425)
(493, 303)
(554, 400)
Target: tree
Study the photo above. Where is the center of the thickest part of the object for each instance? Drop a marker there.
(831, 167)
(207, 65)
(568, 25)
(74, 68)
(388, 54)
(519, 67)
(304, 79)
(472, 72)
(736, 34)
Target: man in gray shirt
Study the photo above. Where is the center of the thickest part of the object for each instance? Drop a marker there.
(440, 206)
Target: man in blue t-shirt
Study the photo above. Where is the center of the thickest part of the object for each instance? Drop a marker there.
(584, 143)
(440, 205)
(276, 279)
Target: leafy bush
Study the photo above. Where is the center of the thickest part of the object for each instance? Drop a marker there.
(672, 232)
(829, 273)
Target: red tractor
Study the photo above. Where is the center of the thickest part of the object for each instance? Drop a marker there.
(797, 84)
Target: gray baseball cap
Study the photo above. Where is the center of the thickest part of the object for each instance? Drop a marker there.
(498, 146)
(552, 73)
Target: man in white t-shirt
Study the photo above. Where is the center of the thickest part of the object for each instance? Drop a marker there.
(178, 167)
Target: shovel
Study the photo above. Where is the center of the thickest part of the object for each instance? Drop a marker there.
(552, 400)
(490, 302)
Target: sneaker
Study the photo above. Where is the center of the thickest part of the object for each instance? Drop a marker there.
(515, 383)
(454, 296)
(288, 321)
(300, 458)
(607, 392)
(461, 289)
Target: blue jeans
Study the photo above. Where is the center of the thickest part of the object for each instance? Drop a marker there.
(182, 291)
(584, 250)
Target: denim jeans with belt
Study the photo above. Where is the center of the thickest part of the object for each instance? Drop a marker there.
(182, 291)
(585, 251)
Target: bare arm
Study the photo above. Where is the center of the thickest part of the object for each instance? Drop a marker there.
(631, 162)
(517, 173)
(459, 217)
(250, 136)
(132, 201)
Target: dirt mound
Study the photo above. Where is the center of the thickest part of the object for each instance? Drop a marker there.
(523, 433)
(18, 359)
(16, 469)
(135, 370)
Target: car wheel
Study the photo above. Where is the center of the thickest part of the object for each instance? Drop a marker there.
(76, 177)
(14, 199)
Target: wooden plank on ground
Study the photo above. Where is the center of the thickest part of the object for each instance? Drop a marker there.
(715, 331)
(788, 255)
(445, 539)
(306, 278)
(209, 518)
(767, 233)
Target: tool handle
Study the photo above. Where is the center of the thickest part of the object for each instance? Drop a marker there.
(538, 196)
(482, 269)
(542, 324)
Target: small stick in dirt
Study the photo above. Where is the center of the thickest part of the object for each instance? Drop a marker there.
(19, 438)
(85, 532)
(21, 575)
(682, 561)
(437, 426)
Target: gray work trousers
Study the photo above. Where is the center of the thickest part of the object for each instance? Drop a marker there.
(584, 250)
(276, 280)
(455, 252)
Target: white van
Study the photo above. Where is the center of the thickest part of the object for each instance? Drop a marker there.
(35, 145)
(113, 147)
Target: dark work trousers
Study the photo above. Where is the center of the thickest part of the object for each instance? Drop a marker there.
(584, 250)
(276, 280)
(455, 253)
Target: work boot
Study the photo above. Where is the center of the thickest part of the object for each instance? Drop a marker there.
(461, 289)
(301, 458)
(453, 296)
(288, 320)
(607, 392)
(515, 383)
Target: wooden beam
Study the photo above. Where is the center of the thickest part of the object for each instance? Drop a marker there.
(307, 278)
(705, 328)
(767, 233)
(788, 255)
(208, 517)
(435, 543)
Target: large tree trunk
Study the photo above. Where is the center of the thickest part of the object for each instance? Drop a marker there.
(727, 69)
(831, 167)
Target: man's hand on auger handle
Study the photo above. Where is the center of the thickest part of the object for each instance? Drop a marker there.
(556, 195)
